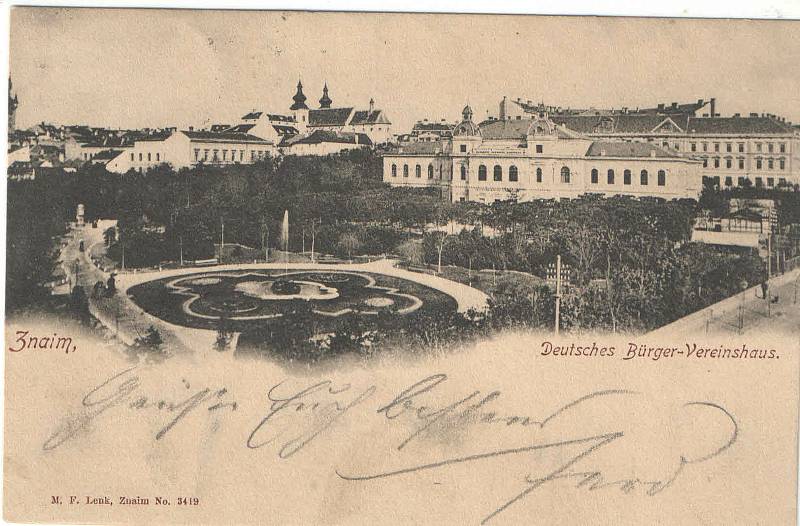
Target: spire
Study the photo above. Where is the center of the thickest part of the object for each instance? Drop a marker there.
(325, 101)
(467, 113)
(299, 99)
(371, 105)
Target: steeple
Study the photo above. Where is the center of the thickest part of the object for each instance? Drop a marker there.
(325, 101)
(467, 113)
(299, 99)
(371, 105)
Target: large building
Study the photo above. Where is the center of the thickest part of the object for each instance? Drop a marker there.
(535, 157)
(757, 149)
(188, 148)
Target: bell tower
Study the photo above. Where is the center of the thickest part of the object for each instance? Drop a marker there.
(325, 102)
(299, 108)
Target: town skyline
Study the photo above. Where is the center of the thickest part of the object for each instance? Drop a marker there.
(362, 58)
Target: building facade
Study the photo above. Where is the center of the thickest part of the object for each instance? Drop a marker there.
(760, 150)
(535, 158)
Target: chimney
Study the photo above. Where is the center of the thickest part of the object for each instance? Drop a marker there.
(191, 128)
(737, 115)
(660, 106)
(674, 105)
(752, 114)
(371, 105)
(713, 107)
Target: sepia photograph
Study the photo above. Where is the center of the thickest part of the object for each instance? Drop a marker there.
(294, 267)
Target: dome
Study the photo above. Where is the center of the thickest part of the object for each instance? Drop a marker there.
(466, 128)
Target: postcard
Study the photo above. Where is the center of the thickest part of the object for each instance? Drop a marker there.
(366, 268)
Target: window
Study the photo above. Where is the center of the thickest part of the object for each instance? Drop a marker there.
(782, 181)
(770, 181)
(662, 178)
(216, 155)
(418, 171)
(253, 158)
(782, 163)
(481, 173)
(728, 163)
(716, 162)
(740, 181)
(140, 156)
(716, 146)
(440, 172)
(539, 148)
(564, 174)
(158, 156)
(224, 155)
(741, 164)
(693, 146)
(729, 181)
(782, 147)
(463, 173)
(759, 181)
(205, 155)
(770, 164)
(498, 173)
(513, 175)
(758, 146)
(705, 162)
(132, 155)
(611, 177)
(394, 170)
(538, 175)
(405, 170)
(758, 164)
(241, 155)
(741, 147)
(430, 171)
(594, 176)
(770, 147)
(643, 178)
(728, 147)
(705, 146)
(463, 148)
(626, 177)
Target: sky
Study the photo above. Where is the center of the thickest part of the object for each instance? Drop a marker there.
(133, 68)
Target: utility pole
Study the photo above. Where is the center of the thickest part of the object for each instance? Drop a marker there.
(181, 242)
(558, 293)
(313, 237)
(304, 239)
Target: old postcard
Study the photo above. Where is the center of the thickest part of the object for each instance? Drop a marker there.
(365, 268)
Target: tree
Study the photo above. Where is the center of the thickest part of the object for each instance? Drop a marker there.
(110, 236)
(412, 251)
(349, 242)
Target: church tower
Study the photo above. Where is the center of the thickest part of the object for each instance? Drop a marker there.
(299, 108)
(12, 107)
(325, 102)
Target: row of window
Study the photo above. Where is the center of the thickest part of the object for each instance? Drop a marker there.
(740, 162)
(741, 181)
(644, 177)
(513, 174)
(739, 147)
(149, 157)
(227, 155)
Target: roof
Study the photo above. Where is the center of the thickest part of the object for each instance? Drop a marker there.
(369, 117)
(224, 137)
(108, 142)
(321, 136)
(434, 126)
(617, 124)
(106, 155)
(329, 117)
(419, 148)
(283, 118)
(241, 128)
(285, 130)
(734, 125)
(628, 150)
(252, 115)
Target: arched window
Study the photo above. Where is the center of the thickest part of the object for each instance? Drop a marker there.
(418, 171)
(611, 177)
(405, 170)
(463, 172)
(594, 176)
(498, 172)
(662, 178)
(430, 171)
(481, 173)
(513, 175)
(626, 177)
(394, 170)
(538, 175)
(565, 174)
(643, 178)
